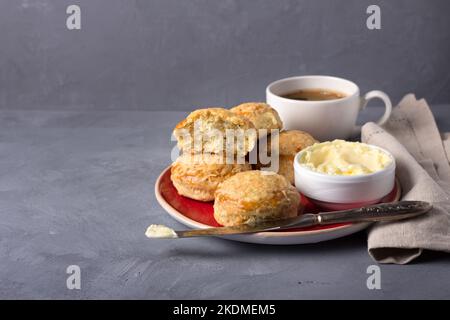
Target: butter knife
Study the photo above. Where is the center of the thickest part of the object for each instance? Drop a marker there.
(379, 212)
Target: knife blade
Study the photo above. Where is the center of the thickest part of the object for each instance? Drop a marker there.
(379, 212)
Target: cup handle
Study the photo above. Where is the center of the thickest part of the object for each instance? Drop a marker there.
(387, 105)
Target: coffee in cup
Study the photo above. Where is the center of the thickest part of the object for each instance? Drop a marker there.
(324, 106)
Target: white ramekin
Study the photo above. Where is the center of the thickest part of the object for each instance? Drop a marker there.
(329, 190)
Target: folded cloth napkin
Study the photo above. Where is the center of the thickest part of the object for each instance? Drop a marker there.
(423, 170)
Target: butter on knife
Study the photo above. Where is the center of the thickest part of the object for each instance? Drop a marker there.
(160, 231)
(379, 212)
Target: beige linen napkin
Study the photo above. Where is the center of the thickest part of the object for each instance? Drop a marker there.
(412, 136)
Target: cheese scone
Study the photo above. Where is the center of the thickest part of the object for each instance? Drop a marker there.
(205, 131)
(253, 196)
(262, 115)
(197, 176)
(286, 168)
(293, 141)
(290, 142)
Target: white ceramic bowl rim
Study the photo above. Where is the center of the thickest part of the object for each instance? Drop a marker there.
(351, 83)
(342, 178)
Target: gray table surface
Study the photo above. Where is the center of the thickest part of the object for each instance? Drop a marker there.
(76, 188)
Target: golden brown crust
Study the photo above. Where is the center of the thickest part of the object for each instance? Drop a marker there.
(293, 141)
(209, 122)
(262, 115)
(290, 143)
(197, 177)
(286, 168)
(214, 113)
(253, 196)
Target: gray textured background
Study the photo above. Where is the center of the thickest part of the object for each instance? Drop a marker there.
(76, 182)
(175, 54)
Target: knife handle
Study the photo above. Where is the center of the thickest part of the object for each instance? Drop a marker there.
(379, 212)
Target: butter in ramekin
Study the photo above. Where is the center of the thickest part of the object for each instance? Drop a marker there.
(345, 158)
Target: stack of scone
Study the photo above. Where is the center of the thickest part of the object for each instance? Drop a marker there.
(203, 165)
(204, 171)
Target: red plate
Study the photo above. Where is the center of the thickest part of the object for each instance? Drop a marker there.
(198, 214)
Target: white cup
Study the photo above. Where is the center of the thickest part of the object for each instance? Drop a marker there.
(325, 119)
